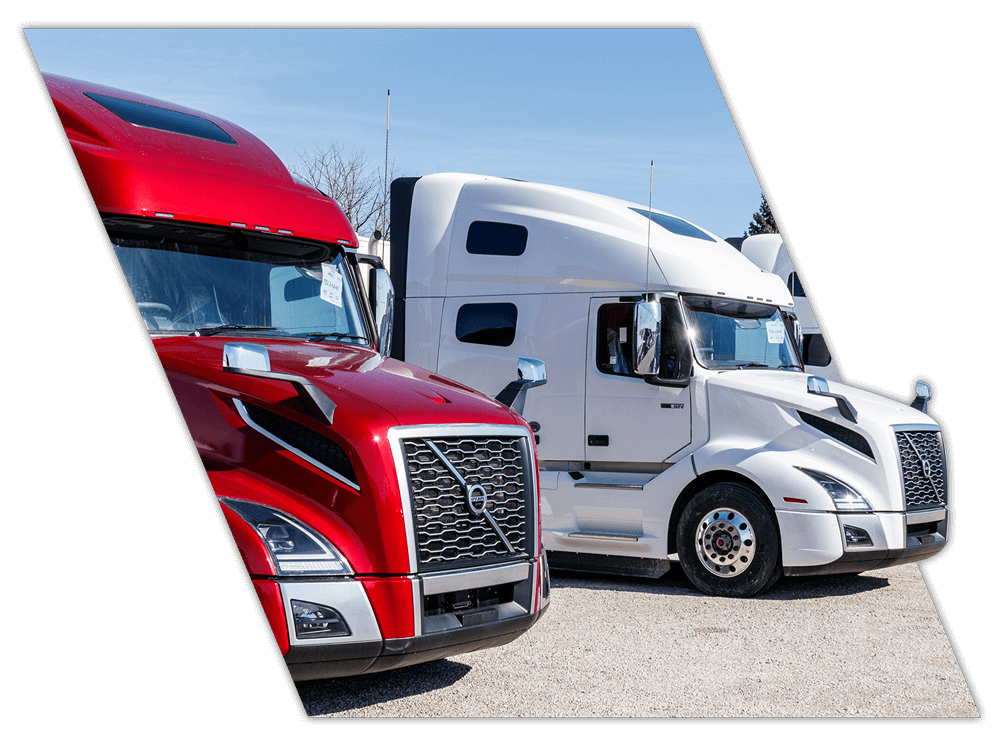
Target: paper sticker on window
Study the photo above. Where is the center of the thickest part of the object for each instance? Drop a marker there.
(775, 332)
(333, 285)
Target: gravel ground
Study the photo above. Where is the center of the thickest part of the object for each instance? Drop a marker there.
(844, 646)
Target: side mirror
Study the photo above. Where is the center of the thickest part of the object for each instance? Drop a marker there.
(248, 359)
(646, 339)
(381, 297)
(662, 344)
(530, 373)
(246, 356)
(819, 386)
(923, 396)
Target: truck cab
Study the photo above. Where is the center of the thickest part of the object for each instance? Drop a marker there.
(678, 421)
(386, 515)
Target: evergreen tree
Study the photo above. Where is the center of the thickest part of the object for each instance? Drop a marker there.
(763, 220)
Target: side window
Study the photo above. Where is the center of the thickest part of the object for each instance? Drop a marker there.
(487, 324)
(496, 239)
(614, 345)
(795, 287)
(815, 351)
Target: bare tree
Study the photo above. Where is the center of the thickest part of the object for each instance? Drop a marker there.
(362, 191)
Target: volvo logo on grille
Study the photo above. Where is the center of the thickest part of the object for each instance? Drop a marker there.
(475, 496)
(925, 468)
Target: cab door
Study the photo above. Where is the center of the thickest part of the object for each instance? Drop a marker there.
(628, 421)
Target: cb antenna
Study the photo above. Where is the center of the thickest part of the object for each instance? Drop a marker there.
(385, 178)
(649, 224)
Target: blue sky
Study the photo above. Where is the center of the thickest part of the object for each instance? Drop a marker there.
(587, 109)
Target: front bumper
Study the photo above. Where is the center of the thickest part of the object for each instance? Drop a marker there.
(820, 543)
(452, 612)
(349, 659)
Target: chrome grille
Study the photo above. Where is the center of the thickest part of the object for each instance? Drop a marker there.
(452, 530)
(921, 457)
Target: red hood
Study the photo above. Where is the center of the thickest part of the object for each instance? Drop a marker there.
(372, 394)
(411, 395)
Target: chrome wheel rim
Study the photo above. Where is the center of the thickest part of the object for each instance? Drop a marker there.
(725, 543)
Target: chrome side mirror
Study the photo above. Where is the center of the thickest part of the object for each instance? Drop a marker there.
(819, 386)
(530, 373)
(248, 359)
(246, 356)
(923, 396)
(646, 339)
(381, 297)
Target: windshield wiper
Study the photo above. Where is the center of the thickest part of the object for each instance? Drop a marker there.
(320, 336)
(208, 331)
(741, 366)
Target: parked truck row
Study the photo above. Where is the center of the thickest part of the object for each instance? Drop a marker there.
(364, 432)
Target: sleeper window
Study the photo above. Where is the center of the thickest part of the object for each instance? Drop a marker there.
(487, 324)
(496, 239)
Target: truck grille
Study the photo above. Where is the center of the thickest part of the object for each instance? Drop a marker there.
(485, 520)
(921, 457)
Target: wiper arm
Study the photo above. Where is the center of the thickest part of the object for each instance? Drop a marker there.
(752, 365)
(208, 331)
(320, 336)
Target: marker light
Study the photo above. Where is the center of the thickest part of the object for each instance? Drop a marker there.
(294, 548)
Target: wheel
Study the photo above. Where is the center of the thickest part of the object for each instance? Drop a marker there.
(728, 542)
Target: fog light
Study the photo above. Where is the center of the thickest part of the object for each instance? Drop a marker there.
(313, 620)
(856, 537)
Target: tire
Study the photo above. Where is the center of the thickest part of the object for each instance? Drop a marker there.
(734, 519)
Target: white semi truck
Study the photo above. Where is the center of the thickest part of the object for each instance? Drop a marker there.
(767, 251)
(677, 419)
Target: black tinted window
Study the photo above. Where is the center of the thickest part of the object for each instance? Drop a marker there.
(794, 286)
(158, 118)
(674, 225)
(496, 239)
(487, 324)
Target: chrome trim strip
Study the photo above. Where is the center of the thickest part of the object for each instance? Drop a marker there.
(926, 516)
(292, 449)
(610, 537)
(597, 486)
(461, 580)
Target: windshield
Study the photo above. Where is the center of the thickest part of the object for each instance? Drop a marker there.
(186, 288)
(728, 333)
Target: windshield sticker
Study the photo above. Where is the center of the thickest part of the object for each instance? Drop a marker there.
(333, 285)
(775, 332)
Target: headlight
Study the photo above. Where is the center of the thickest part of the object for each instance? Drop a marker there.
(295, 549)
(844, 497)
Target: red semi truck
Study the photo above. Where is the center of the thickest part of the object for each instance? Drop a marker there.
(386, 516)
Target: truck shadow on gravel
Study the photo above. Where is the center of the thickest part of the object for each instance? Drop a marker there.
(331, 696)
(675, 584)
